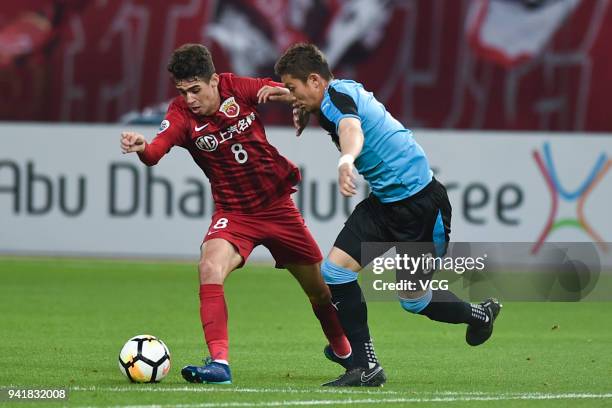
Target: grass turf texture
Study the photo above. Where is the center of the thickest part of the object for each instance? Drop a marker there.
(64, 321)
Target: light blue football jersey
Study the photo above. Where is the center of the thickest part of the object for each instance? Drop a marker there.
(392, 162)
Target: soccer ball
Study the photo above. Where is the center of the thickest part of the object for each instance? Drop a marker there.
(144, 358)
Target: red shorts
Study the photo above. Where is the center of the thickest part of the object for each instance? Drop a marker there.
(279, 227)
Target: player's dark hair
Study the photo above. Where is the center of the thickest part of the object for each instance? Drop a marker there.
(191, 61)
(301, 60)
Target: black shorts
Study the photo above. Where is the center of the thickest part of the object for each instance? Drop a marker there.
(424, 217)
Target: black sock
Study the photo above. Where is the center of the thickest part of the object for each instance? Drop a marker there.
(446, 307)
(353, 314)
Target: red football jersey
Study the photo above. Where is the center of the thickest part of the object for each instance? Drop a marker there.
(246, 172)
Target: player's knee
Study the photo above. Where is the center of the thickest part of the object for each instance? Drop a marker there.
(417, 304)
(335, 275)
(321, 296)
(211, 272)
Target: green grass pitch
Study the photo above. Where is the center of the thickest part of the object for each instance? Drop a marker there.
(63, 322)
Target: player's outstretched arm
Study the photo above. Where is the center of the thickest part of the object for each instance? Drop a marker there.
(132, 142)
(274, 93)
(351, 143)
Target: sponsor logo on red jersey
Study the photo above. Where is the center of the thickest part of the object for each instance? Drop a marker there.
(207, 143)
(210, 142)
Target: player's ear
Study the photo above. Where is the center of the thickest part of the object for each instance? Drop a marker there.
(214, 80)
(315, 80)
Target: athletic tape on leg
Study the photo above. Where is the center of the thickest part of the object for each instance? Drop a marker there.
(418, 304)
(337, 275)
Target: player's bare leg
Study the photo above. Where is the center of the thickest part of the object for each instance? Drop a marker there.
(218, 259)
(311, 281)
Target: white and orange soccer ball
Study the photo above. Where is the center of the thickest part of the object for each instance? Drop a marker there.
(144, 358)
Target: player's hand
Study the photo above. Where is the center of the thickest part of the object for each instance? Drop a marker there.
(346, 180)
(273, 93)
(132, 142)
(300, 120)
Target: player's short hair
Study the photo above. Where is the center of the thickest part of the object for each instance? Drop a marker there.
(301, 60)
(191, 61)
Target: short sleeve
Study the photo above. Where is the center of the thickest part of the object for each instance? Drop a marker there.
(339, 106)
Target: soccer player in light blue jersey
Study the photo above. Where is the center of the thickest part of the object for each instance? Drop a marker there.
(407, 204)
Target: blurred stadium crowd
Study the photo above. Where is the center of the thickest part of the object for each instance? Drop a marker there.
(466, 64)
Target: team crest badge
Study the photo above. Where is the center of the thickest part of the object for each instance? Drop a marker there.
(207, 143)
(230, 107)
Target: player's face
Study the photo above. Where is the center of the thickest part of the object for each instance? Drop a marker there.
(308, 95)
(201, 97)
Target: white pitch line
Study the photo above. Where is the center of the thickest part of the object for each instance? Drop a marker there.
(458, 398)
(215, 389)
(233, 390)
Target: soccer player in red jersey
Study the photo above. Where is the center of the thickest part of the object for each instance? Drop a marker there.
(216, 120)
